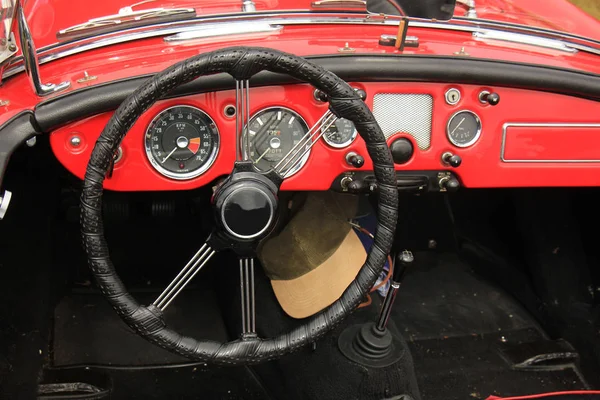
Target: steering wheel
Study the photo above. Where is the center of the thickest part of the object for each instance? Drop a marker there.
(245, 186)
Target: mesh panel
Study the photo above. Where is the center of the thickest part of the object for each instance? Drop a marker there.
(410, 113)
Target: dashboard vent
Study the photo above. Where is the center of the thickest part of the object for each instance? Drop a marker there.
(410, 113)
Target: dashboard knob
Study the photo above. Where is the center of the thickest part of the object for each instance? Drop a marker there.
(402, 150)
(320, 96)
(361, 93)
(355, 159)
(491, 98)
(452, 160)
(449, 184)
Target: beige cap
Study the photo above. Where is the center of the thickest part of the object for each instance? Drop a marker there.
(316, 256)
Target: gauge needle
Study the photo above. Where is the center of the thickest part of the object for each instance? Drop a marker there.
(262, 155)
(457, 126)
(170, 154)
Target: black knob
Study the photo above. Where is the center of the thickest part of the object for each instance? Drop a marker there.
(491, 98)
(449, 184)
(320, 96)
(451, 159)
(403, 261)
(355, 159)
(362, 186)
(402, 150)
(361, 93)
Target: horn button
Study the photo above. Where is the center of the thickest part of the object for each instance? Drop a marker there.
(246, 206)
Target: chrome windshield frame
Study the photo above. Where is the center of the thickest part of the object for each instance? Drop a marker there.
(291, 18)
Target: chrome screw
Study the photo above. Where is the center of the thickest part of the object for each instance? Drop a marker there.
(75, 141)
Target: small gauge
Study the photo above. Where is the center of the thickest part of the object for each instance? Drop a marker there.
(182, 142)
(464, 128)
(273, 133)
(341, 134)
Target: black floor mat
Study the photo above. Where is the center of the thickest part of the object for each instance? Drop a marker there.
(176, 382)
(90, 340)
(454, 321)
(87, 331)
(471, 367)
(441, 297)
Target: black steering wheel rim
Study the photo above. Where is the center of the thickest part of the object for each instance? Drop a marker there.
(241, 63)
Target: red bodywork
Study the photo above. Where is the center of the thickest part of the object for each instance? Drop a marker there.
(482, 166)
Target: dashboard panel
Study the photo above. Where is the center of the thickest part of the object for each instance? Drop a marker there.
(437, 120)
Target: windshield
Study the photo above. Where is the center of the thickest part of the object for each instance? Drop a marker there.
(48, 19)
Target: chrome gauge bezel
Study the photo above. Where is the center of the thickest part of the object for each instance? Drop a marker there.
(477, 134)
(343, 144)
(186, 175)
(304, 159)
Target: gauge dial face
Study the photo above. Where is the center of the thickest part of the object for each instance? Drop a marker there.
(464, 128)
(273, 132)
(182, 142)
(341, 134)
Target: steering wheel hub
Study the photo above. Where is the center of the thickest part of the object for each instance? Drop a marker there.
(246, 206)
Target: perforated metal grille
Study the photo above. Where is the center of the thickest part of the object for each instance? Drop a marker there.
(410, 113)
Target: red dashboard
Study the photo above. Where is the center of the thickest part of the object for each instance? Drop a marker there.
(529, 138)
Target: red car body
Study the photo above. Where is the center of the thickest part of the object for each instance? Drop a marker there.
(126, 59)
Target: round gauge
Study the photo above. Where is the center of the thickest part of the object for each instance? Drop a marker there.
(463, 128)
(340, 134)
(273, 132)
(182, 142)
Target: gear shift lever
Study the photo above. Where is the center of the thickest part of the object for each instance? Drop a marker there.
(403, 260)
(373, 344)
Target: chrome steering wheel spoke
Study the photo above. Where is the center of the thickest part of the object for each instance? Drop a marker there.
(184, 277)
(248, 303)
(242, 119)
(300, 149)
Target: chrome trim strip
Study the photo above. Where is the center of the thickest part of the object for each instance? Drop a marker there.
(125, 17)
(57, 51)
(523, 39)
(362, 4)
(235, 28)
(543, 125)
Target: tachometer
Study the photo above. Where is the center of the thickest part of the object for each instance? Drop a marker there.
(273, 132)
(182, 142)
(341, 134)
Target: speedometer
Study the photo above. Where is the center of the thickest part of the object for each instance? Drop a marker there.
(182, 142)
(273, 132)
